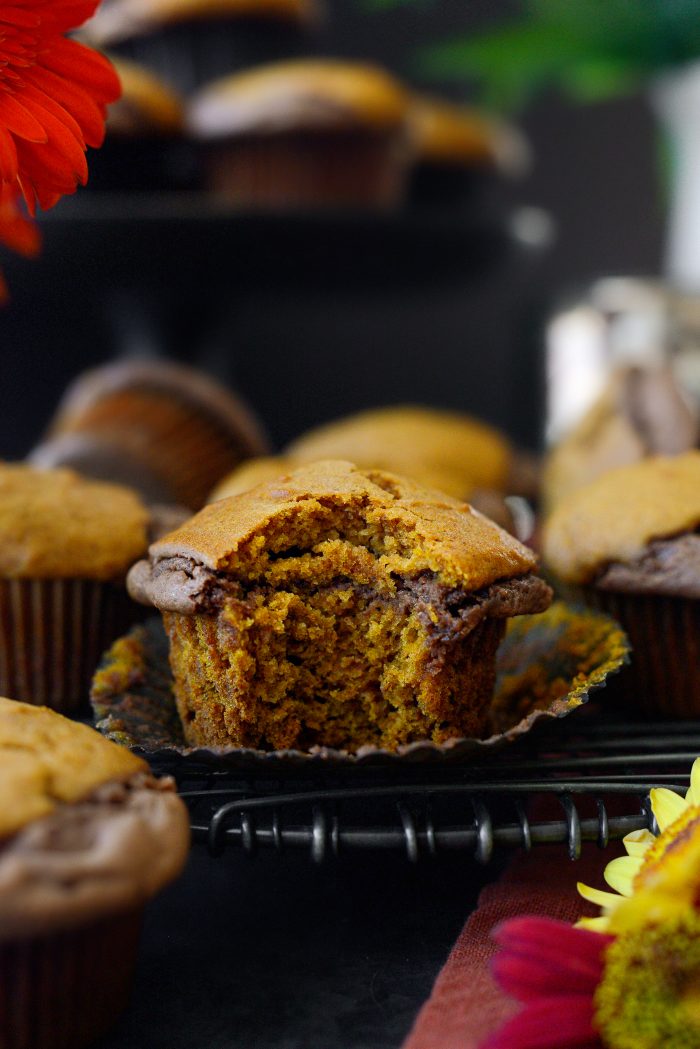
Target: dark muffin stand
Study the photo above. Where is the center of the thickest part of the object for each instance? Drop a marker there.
(307, 316)
(316, 939)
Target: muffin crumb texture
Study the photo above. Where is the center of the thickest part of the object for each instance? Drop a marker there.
(344, 608)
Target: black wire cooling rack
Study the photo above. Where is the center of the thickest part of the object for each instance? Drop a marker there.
(592, 785)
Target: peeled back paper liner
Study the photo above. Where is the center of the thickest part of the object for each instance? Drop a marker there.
(546, 667)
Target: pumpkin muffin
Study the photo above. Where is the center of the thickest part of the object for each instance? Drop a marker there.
(336, 607)
(87, 836)
(629, 543)
(642, 412)
(304, 135)
(190, 42)
(167, 430)
(65, 546)
(144, 148)
(455, 147)
(449, 451)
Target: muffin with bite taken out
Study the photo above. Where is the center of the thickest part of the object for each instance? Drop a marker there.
(336, 607)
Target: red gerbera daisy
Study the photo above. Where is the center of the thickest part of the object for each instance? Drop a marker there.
(554, 969)
(16, 230)
(53, 98)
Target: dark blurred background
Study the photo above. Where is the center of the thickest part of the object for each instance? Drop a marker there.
(313, 318)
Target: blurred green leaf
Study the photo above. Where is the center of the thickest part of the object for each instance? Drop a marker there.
(590, 49)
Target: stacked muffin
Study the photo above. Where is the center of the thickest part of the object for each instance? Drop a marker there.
(270, 126)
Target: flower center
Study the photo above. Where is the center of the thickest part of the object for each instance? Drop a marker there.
(650, 992)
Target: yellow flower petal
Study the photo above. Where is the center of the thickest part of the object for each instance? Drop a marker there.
(594, 924)
(666, 806)
(620, 874)
(598, 896)
(637, 842)
(693, 795)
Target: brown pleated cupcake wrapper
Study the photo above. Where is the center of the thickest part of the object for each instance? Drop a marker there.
(65, 989)
(309, 171)
(169, 439)
(52, 635)
(663, 677)
(545, 669)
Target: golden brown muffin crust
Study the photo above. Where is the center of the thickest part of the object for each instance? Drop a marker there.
(55, 525)
(448, 451)
(614, 518)
(450, 134)
(441, 534)
(45, 760)
(311, 94)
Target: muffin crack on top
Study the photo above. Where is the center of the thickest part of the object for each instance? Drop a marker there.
(326, 609)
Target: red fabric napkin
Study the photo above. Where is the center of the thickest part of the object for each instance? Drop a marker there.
(466, 1005)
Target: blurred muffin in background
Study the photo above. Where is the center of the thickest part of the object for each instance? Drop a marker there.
(449, 451)
(87, 837)
(456, 147)
(144, 148)
(169, 431)
(628, 543)
(190, 42)
(304, 135)
(249, 474)
(641, 413)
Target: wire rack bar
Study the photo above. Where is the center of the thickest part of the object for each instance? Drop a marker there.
(591, 787)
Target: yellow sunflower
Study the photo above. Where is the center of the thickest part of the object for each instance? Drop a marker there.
(677, 818)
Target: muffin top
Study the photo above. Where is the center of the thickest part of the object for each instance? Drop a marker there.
(117, 20)
(310, 94)
(392, 526)
(641, 412)
(46, 760)
(614, 519)
(55, 524)
(458, 136)
(85, 829)
(445, 450)
(147, 105)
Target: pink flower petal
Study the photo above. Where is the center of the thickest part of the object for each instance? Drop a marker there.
(550, 1023)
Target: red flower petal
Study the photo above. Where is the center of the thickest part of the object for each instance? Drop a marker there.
(17, 119)
(87, 113)
(525, 978)
(541, 956)
(53, 98)
(75, 62)
(8, 157)
(549, 1023)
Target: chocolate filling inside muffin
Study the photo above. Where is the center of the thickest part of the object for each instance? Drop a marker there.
(668, 567)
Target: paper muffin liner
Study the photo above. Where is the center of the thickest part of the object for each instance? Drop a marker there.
(65, 989)
(546, 667)
(309, 171)
(663, 678)
(52, 635)
(177, 429)
(192, 54)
